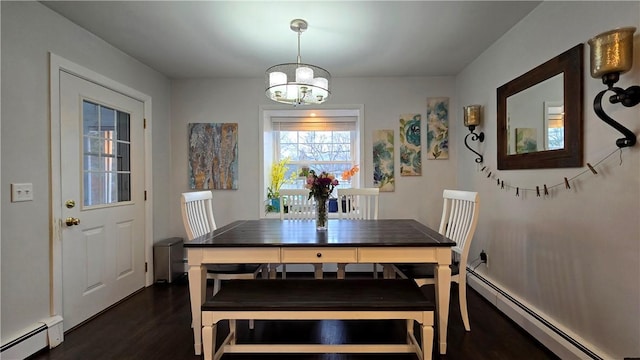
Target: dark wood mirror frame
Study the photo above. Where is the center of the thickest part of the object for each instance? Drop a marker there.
(570, 63)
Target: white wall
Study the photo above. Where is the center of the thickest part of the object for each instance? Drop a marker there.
(384, 99)
(574, 256)
(29, 32)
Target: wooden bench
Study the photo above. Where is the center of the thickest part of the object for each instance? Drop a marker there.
(369, 299)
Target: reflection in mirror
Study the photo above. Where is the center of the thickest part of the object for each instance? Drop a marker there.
(540, 115)
(535, 117)
(553, 125)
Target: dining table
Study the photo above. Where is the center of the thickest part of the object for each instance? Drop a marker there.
(273, 241)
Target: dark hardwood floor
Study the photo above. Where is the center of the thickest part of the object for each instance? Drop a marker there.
(155, 324)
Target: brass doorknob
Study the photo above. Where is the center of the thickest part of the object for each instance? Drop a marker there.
(70, 221)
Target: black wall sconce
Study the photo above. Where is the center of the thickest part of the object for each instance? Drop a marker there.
(612, 55)
(472, 118)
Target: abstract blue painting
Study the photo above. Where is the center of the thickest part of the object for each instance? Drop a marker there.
(438, 128)
(410, 149)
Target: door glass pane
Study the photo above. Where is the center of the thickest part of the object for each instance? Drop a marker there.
(123, 126)
(123, 157)
(107, 122)
(111, 190)
(106, 155)
(92, 163)
(90, 119)
(124, 191)
(93, 188)
(92, 146)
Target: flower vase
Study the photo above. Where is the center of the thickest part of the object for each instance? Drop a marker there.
(275, 204)
(322, 214)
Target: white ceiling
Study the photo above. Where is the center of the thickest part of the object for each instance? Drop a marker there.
(214, 39)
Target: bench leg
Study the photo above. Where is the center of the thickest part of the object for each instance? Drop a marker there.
(208, 341)
(427, 342)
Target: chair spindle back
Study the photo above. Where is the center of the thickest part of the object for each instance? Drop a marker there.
(359, 204)
(459, 220)
(197, 213)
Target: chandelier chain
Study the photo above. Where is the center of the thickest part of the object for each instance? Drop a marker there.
(299, 58)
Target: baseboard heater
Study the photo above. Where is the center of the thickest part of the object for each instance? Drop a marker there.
(48, 333)
(557, 331)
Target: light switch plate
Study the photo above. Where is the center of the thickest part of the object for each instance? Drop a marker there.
(21, 192)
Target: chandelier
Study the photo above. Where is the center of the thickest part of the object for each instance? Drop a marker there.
(297, 83)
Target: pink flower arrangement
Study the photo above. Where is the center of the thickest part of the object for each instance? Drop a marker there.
(320, 186)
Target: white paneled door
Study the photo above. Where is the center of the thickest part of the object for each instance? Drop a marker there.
(102, 190)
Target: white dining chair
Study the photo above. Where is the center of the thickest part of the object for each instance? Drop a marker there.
(458, 223)
(357, 204)
(197, 217)
(295, 204)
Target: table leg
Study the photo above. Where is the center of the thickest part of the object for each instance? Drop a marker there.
(197, 293)
(442, 277)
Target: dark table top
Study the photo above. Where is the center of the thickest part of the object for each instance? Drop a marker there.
(341, 233)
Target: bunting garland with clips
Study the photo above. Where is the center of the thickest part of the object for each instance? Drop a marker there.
(545, 188)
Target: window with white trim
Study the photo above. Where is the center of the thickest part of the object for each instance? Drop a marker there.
(320, 144)
(328, 139)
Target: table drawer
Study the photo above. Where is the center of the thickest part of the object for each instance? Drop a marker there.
(240, 255)
(402, 254)
(319, 255)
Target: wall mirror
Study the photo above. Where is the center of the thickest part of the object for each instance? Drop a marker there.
(540, 115)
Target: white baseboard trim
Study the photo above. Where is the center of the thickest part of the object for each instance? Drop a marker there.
(47, 333)
(558, 340)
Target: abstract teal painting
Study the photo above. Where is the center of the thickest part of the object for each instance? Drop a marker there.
(410, 149)
(383, 177)
(213, 156)
(438, 128)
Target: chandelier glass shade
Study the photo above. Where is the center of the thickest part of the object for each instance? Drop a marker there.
(297, 83)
